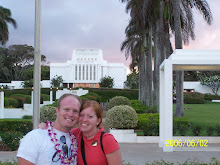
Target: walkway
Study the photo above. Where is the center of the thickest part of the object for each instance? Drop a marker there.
(138, 154)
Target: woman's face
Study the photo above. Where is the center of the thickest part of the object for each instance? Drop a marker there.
(88, 121)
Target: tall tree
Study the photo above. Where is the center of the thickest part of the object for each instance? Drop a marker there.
(5, 19)
(17, 59)
(179, 6)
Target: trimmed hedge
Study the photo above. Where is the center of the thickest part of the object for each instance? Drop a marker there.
(210, 97)
(121, 117)
(11, 139)
(91, 96)
(11, 102)
(106, 93)
(13, 125)
(149, 124)
(118, 100)
(193, 98)
(142, 108)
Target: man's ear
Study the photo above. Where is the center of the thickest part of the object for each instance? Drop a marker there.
(57, 110)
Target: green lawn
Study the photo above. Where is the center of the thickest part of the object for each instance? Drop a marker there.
(202, 114)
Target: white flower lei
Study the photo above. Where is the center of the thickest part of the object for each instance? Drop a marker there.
(61, 154)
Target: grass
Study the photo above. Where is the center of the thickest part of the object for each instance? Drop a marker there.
(205, 115)
(202, 114)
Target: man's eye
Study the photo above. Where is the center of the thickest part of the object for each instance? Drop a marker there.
(75, 111)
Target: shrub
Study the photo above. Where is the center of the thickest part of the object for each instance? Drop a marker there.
(217, 129)
(91, 96)
(48, 113)
(210, 130)
(45, 97)
(27, 117)
(193, 98)
(180, 125)
(196, 130)
(210, 97)
(20, 98)
(14, 125)
(106, 93)
(11, 139)
(121, 117)
(142, 108)
(118, 100)
(13, 103)
(149, 124)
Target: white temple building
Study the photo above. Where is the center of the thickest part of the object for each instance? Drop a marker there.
(86, 69)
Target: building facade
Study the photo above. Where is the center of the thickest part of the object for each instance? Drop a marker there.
(86, 69)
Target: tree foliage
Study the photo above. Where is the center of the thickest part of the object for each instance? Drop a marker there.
(107, 82)
(5, 18)
(132, 81)
(15, 60)
(56, 81)
(212, 82)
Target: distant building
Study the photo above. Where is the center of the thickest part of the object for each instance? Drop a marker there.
(86, 69)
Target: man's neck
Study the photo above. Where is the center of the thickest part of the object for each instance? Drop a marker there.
(62, 129)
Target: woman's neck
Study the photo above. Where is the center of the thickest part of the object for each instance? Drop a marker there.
(91, 134)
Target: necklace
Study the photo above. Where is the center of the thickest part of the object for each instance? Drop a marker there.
(93, 134)
(61, 154)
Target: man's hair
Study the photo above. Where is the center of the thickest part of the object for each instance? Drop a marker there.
(66, 95)
(97, 108)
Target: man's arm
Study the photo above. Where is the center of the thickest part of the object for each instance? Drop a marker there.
(22, 161)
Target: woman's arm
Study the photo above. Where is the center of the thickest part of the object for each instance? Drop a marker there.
(114, 158)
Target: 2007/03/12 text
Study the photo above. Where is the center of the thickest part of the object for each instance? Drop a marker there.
(187, 143)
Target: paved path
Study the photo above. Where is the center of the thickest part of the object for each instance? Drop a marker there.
(138, 154)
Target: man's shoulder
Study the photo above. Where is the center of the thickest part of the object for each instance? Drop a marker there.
(36, 133)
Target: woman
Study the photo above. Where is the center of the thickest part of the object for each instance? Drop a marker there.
(89, 132)
(95, 147)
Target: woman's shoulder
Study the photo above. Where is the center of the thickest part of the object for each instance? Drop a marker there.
(76, 132)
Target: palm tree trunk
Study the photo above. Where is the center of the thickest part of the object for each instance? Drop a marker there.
(149, 97)
(179, 74)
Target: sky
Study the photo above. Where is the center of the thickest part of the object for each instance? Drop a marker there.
(68, 25)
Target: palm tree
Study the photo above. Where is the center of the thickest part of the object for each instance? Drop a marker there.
(179, 6)
(5, 18)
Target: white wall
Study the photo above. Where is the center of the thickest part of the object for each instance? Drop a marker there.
(198, 87)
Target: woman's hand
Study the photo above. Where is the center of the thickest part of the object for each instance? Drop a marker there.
(42, 126)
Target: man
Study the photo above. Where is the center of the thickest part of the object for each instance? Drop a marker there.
(55, 145)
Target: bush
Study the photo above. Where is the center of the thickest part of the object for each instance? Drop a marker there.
(12, 103)
(217, 129)
(45, 97)
(48, 113)
(210, 97)
(91, 96)
(14, 125)
(118, 100)
(180, 125)
(22, 99)
(196, 130)
(193, 98)
(210, 130)
(11, 139)
(27, 117)
(149, 124)
(106, 93)
(121, 117)
(142, 108)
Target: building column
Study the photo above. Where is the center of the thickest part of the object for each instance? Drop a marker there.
(51, 96)
(2, 115)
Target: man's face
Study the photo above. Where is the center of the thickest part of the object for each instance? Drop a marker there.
(67, 114)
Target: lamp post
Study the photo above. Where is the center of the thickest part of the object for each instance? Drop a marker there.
(37, 64)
